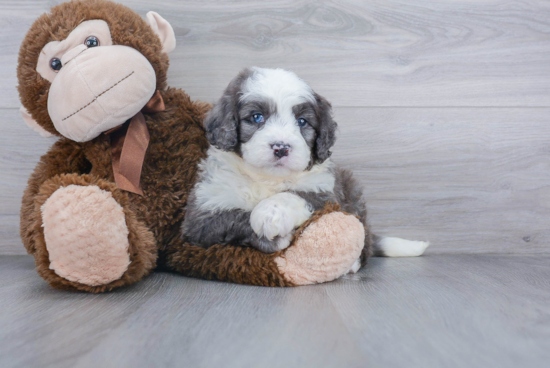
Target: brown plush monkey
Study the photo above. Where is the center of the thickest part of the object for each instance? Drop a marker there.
(104, 206)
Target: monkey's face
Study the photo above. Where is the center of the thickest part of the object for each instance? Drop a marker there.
(96, 81)
(95, 85)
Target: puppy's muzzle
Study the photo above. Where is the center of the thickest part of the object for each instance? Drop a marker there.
(280, 150)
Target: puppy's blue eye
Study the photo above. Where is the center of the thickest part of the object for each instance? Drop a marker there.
(258, 118)
(301, 122)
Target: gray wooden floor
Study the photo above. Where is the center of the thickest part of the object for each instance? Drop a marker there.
(433, 311)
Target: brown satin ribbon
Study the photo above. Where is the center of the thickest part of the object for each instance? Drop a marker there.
(128, 146)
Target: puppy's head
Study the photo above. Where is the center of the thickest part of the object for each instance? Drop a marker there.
(273, 120)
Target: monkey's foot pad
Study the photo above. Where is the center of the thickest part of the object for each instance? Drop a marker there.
(325, 250)
(86, 235)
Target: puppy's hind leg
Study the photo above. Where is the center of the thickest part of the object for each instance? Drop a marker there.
(397, 247)
(355, 267)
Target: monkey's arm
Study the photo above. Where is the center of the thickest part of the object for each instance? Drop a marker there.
(54, 162)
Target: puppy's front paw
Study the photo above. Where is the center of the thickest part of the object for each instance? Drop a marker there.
(283, 242)
(278, 215)
(275, 245)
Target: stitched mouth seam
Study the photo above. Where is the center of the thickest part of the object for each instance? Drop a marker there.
(96, 97)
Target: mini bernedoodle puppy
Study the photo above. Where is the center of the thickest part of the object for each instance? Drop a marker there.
(269, 168)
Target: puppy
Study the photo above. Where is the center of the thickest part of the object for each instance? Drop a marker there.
(269, 168)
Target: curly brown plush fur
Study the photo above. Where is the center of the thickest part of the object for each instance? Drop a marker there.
(177, 144)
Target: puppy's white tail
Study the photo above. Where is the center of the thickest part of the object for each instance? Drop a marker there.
(397, 247)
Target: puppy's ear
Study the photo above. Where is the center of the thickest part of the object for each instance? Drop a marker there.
(222, 121)
(221, 124)
(326, 132)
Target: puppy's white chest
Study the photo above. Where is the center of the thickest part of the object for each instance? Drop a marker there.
(226, 183)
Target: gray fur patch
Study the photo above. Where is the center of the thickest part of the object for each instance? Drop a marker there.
(306, 110)
(320, 132)
(221, 122)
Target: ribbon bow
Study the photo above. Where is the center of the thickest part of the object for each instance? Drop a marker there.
(128, 146)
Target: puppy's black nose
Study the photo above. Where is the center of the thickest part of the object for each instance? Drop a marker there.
(280, 149)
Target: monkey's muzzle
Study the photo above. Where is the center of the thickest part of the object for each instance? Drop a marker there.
(98, 89)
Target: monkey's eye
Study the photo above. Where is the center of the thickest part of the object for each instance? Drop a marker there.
(258, 118)
(55, 64)
(91, 41)
(301, 122)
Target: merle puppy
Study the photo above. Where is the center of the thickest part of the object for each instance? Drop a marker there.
(269, 167)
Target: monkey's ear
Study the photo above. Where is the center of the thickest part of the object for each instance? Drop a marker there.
(164, 30)
(33, 124)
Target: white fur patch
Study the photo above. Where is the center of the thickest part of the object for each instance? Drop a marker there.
(282, 86)
(228, 182)
(279, 214)
(397, 247)
(259, 153)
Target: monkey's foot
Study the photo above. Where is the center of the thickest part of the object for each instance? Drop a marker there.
(327, 247)
(86, 235)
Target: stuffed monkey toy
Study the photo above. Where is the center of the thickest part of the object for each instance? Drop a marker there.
(105, 204)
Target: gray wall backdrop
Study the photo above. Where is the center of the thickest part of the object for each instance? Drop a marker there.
(443, 106)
